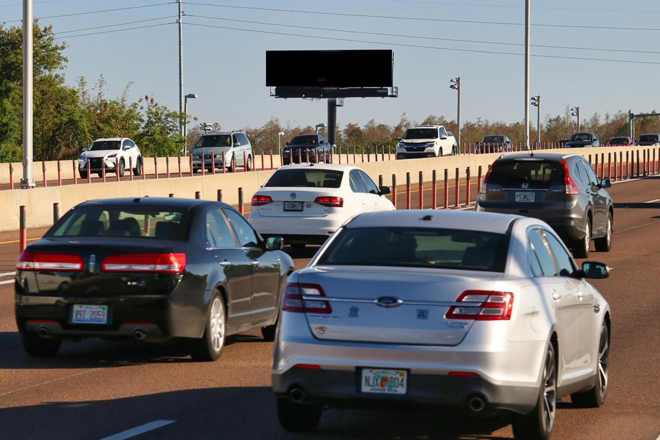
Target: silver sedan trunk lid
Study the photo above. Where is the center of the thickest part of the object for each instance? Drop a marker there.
(392, 305)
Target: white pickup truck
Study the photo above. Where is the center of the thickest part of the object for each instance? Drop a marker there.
(426, 141)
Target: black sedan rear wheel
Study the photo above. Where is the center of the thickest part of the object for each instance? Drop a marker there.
(39, 347)
(209, 346)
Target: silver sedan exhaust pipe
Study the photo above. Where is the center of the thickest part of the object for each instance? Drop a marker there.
(476, 404)
(297, 395)
(139, 335)
(43, 332)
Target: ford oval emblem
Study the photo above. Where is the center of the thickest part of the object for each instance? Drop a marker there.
(389, 301)
(293, 196)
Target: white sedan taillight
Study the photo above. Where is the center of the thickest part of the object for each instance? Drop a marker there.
(152, 263)
(482, 305)
(333, 202)
(49, 261)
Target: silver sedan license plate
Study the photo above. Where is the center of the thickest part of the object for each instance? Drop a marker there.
(293, 206)
(525, 196)
(380, 381)
(89, 314)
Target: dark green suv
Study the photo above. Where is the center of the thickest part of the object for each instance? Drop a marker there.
(561, 190)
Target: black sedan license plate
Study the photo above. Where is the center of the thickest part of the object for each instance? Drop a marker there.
(293, 206)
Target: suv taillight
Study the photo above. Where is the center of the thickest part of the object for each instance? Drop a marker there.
(571, 187)
(484, 184)
(150, 263)
(297, 299)
(261, 200)
(49, 261)
(482, 305)
(333, 202)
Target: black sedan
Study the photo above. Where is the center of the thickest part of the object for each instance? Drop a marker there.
(151, 269)
(307, 148)
(579, 140)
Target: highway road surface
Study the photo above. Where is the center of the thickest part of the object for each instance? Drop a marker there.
(111, 390)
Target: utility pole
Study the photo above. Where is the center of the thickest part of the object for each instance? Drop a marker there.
(28, 178)
(180, 21)
(575, 111)
(527, 48)
(536, 102)
(456, 85)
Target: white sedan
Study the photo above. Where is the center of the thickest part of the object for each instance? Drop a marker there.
(466, 310)
(306, 204)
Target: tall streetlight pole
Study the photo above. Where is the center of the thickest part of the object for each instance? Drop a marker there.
(536, 102)
(185, 115)
(575, 111)
(318, 126)
(456, 85)
(181, 110)
(527, 50)
(28, 178)
(279, 143)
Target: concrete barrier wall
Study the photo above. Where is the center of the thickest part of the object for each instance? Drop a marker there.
(39, 201)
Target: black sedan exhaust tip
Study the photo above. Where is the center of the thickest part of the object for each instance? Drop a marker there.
(139, 335)
(477, 404)
(297, 395)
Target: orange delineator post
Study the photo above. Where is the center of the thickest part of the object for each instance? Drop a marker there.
(434, 194)
(467, 187)
(394, 190)
(457, 202)
(408, 191)
(240, 200)
(446, 206)
(421, 191)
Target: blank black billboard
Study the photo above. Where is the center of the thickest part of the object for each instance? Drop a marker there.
(329, 68)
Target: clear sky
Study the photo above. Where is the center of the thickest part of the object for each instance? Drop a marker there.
(225, 43)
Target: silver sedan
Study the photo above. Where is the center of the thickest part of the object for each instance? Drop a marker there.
(477, 311)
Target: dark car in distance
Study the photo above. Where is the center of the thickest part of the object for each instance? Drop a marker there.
(560, 189)
(648, 140)
(151, 269)
(578, 140)
(494, 143)
(307, 148)
(620, 141)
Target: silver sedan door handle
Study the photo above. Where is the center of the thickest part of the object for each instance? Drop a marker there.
(255, 263)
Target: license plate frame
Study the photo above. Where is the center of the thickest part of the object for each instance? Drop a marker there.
(293, 206)
(525, 196)
(393, 382)
(90, 314)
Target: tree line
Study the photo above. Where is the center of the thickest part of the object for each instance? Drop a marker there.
(66, 118)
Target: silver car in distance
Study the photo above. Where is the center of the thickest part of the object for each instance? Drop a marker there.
(477, 311)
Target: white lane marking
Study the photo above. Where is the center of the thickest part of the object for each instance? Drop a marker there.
(653, 201)
(637, 227)
(6, 274)
(6, 282)
(134, 432)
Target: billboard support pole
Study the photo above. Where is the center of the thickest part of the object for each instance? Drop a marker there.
(332, 120)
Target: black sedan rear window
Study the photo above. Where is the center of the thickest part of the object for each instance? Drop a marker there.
(520, 171)
(308, 177)
(418, 247)
(648, 138)
(122, 221)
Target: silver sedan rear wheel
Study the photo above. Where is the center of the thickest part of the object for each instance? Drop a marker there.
(595, 397)
(538, 424)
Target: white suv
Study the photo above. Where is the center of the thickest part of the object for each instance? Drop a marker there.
(114, 154)
(426, 141)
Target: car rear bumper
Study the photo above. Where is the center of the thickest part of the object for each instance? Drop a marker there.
(208, 163)
(152, 315)
(297, 228)
(413, 154)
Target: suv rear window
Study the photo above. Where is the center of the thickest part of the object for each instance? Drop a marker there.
(519, 171)
(648, 138)
(305, 177)
(419, 247)
(122, 221)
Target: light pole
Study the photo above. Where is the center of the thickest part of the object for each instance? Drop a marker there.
(536, 102)
(455, 84)
(527, 50)
(575, 111)
(319, 126)
(279, 144)
(185, 121)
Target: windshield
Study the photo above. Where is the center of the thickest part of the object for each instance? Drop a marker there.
(216, 140)
(303, 140)
(105, 145)
(648, 138)
(581, 137)
(619, 140)
(418, 247)
(517, 172)
(305, 177)
(492, 140)
(421, 133)
(122, 221)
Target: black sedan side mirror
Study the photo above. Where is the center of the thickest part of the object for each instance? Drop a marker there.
(593, 270)
(384, 190)
(605, 183)
(274, 243)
